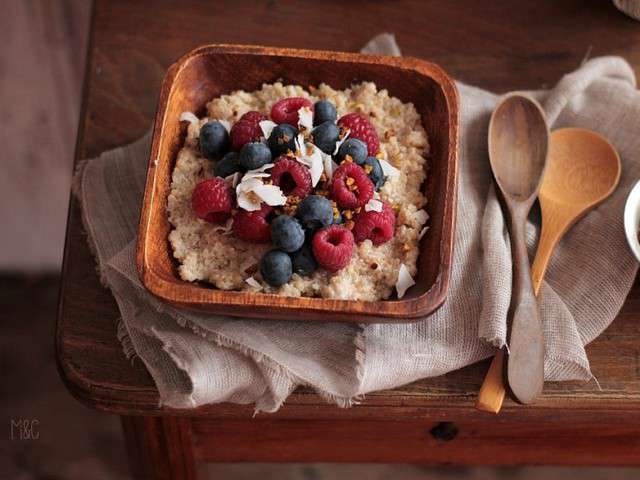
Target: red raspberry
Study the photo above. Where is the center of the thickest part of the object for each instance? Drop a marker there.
(351, 187)
(253, 226)
(212, 200)
(360, 128)
(291, 176)
(376, 226)
(286, 110)
(246, 129)
(333, 247)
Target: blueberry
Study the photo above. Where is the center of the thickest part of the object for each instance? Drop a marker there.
(276, 268)
(287, 233)
(282, 139)
(376, 174)
(325, 137)
(315, 212)
(254, 155)
(324, 111)
(353, 147)
(303, 261)
(227, 165)
(214, 139)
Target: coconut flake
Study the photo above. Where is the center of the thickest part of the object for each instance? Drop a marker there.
(305, 119)
(189, 117)
(267, 127)
(388, 169)
(261, 169)
(373, 205)
(328, 164)
(270, 194)
(422, 232)
(340, 142)
(253, 282)
(299, 141)
(405, 281)
(258, 172)
(421, 216)
(313, 161)
(247, 198)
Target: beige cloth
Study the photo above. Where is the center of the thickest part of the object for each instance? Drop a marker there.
(197, 359)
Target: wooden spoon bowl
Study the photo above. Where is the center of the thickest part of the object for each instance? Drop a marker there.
(583, 170)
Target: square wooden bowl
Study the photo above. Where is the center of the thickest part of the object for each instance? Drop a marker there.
(212, 70)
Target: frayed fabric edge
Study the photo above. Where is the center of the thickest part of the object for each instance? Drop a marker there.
(260, 358)
(77, 188)
(125, 340)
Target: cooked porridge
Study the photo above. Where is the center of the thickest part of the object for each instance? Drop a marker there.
(207, 248)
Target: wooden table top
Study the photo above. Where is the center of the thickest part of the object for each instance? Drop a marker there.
(489, 44)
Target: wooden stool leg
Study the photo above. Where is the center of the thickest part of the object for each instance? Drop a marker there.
(159, 448)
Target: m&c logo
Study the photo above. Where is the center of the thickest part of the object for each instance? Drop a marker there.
(25, 429)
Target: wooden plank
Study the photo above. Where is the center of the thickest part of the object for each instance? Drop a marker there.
(159, 448)
(131, 50)
(472, 443)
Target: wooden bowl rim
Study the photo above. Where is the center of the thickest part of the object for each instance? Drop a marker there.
(414, 309)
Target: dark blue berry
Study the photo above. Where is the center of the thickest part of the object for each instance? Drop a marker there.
(376, 175)
(282, 139)
(287, 233)
(315, 211)
(324, 111)
(276, 268)
(254, 155)
(214, 139)
(353, 147)
(325, 137)
(227, 165)
(303, 261)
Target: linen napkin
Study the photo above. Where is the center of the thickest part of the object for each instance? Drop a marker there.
(200, 358)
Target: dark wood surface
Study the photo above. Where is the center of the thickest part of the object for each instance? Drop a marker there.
(496, 45)
(213, 70)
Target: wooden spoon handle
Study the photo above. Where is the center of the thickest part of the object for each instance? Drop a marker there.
(525, 362)
(492, 391)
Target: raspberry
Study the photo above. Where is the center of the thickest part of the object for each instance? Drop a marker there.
(286, 110)
(291, 176)
(376, 226)
(360, 128)
(253, 226)
(212, 200)
(246, 129)
(350, 186)
(333, 247)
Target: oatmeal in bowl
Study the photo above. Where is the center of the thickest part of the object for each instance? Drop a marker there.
(295, 191)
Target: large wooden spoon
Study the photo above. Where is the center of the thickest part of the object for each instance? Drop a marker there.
(583, 170)
(518, 147)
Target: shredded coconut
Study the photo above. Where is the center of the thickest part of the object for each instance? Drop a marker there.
(267, 127)
(373, 206)
(405, 280)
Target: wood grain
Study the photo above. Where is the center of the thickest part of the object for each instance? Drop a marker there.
(417, 441)
(583, 170)
(518, 150)
(213, 70)
(130, 51)
(159, 448)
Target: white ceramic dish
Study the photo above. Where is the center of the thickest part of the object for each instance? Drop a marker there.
(632, 219)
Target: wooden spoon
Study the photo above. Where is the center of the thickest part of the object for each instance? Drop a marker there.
(518, 146)
(583, 170)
